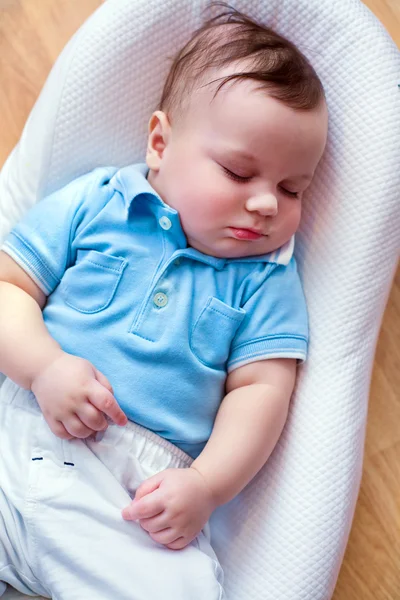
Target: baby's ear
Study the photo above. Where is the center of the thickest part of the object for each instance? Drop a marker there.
(159, 133)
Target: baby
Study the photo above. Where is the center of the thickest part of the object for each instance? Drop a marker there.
(151, 319)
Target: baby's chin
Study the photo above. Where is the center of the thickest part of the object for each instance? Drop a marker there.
(232, 248)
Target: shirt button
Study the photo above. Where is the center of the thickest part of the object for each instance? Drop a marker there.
(160, 299)
(165, 223)
(177, 262)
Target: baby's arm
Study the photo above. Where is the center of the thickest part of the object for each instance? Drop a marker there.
(70, 391)
(248, 425)
(174, 505)
(26, 345)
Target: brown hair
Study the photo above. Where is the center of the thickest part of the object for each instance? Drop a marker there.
(271, 59)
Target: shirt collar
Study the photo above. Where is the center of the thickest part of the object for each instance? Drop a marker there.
(131, 182)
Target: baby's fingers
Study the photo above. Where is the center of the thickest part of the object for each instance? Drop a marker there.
(58, 429)
(76, 428)
(145, 508)
(101, 378)
(102, 399)
(92, 417)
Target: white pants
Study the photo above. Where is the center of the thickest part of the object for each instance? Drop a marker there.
(61, 531)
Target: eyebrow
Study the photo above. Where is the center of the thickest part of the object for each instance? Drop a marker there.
(242, 154)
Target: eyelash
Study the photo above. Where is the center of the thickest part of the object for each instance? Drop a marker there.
(240, 179)
(291, 194)
(236, 177)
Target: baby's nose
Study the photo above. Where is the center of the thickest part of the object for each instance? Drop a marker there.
(265, 204)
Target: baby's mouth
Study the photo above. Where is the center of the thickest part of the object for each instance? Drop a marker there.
(246, 234)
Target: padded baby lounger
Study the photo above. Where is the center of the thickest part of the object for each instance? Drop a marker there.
(284, 537)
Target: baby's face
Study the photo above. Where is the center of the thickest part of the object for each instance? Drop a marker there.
(236, 167)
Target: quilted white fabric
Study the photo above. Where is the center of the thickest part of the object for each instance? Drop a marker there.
(284, 537)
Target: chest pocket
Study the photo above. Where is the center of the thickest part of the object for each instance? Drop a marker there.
(90, 284)
(214, 331)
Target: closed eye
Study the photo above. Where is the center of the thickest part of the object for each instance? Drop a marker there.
(289, 193)
(234, 176)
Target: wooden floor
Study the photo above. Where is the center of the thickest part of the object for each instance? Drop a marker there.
(32, 33)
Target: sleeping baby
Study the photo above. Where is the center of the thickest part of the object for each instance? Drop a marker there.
(151, 322)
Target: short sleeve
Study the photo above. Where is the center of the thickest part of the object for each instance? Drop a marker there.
(276, 321)
(41, 243)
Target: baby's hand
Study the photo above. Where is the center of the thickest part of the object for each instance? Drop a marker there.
(173, 506)
(75, 397)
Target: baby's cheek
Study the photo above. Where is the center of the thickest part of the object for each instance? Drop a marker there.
(295, 217)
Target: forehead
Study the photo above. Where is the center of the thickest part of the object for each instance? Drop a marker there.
(246, 115)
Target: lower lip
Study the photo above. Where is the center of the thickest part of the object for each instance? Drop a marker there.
(245, 234)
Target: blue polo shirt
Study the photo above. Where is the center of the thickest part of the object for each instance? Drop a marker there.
(164, 322)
